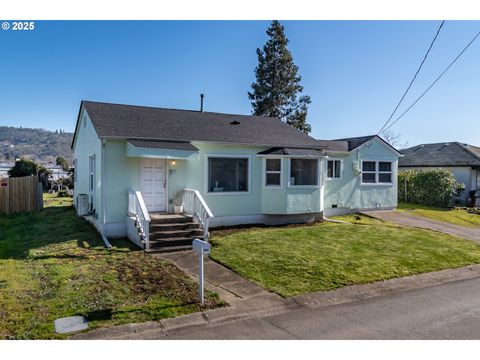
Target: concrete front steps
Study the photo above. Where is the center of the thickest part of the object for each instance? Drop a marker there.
(172, 232)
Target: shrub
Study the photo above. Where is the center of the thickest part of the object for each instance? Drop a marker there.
(435, 187)
(23, 167)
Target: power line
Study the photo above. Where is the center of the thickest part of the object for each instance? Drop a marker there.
(414, 77)
(438, 78)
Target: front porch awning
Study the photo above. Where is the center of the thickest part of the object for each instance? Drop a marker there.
(292, 152)
(160, 149)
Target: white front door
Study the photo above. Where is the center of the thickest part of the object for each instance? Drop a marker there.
(153, 182)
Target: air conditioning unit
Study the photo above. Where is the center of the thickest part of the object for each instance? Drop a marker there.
(82, 204)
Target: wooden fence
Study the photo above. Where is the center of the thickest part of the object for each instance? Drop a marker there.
(23, 194)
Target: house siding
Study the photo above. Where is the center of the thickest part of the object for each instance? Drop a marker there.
(224, 204)
(349, 194)
(123, 173)
(87, 143)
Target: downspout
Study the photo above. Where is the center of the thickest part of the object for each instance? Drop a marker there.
(103, 202)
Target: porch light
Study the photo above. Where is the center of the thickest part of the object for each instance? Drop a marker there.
(172, 162)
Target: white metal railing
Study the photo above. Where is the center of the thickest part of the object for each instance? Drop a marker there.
(137, 209)
(194, 205)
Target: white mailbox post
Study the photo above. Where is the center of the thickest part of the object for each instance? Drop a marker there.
(201, 248)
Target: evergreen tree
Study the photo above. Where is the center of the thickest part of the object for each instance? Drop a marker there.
(63, 163)
(277, 91)
(23, 167)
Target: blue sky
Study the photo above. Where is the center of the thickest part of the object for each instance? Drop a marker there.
(354, 71)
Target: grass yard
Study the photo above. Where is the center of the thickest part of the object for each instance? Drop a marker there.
(301, 259)
(53, 264)
(453, 216)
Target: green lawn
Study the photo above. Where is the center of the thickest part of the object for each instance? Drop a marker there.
(453, 216)
(53, 264)
(301, 259)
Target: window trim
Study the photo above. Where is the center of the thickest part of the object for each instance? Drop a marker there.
(377, 172)
(341, 170)
(92, 169)
(75, 171)
(231, 156)
(264, 172)
(304, 186)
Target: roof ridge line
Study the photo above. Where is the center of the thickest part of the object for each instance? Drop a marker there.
(177, 109)
(468, 150)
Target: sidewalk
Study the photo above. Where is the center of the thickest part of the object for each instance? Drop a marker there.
(248, 300)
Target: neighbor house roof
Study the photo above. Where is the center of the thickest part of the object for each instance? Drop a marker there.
(292, 152)
(151, 123)
(441, 154)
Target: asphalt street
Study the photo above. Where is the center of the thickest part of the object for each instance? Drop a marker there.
(447, 311)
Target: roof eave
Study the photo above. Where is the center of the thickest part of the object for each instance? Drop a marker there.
(212, 142)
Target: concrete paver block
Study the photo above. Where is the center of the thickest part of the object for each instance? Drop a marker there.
(70, 324)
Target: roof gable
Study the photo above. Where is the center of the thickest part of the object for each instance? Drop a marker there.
(357, 142)
(140, 122)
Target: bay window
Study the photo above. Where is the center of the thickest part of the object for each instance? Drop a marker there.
(303, 172)
(227, 174)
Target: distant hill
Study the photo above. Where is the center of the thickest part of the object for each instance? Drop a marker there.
(36, 144)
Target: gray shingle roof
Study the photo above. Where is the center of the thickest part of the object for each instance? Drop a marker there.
(292, 152)
(333, 145)
(355, 142)
(141, 122)
(158, 144)
(441, 154)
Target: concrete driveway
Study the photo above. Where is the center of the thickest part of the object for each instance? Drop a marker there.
(425, 223)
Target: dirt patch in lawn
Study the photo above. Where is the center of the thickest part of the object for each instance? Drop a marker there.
(54, 264)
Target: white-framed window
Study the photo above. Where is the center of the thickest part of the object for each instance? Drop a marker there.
(303, 172)
(91, 173)
(334, 169)
(273, 172)
(228, 174)
(377, 172)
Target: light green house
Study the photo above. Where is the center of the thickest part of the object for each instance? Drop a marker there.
(136, 165)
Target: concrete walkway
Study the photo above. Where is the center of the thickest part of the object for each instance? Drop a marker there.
(242, 295)
(425, 223)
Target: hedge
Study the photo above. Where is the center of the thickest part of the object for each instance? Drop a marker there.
(435, 187)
